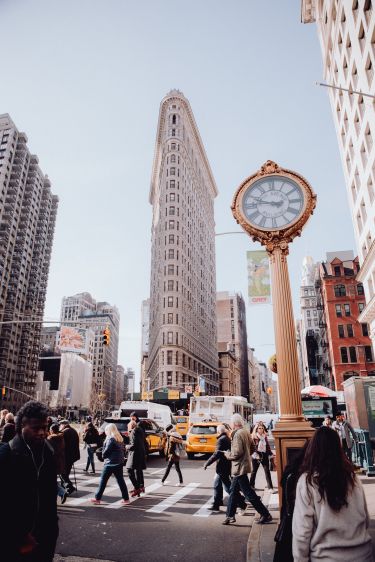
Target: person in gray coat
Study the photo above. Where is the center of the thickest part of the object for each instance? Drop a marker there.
(136, 462)
(346, 433)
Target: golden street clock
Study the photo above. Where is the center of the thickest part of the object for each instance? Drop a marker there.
(273, 204)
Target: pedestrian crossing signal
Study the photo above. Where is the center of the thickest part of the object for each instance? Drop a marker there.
(106, 336)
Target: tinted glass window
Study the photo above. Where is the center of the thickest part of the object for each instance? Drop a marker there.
(203, 430)
(181, 420)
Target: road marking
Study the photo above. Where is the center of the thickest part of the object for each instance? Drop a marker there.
(204, 511)
(158, 471)
(168, 502)
(84, 499)
(148, 490)
(66, 508)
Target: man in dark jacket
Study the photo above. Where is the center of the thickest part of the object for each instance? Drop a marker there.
(223, 470)
(29, 529)
(72, 454)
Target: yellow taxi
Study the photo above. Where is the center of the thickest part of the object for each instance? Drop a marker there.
(182, 425)
(202, 437)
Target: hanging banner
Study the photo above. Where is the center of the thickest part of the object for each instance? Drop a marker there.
(259, 281)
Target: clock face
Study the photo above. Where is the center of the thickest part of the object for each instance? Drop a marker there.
(273, 202)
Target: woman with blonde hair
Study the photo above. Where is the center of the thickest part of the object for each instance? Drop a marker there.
(262, 455)
(113, 455)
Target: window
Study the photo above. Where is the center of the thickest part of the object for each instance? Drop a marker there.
(170, 269)
(173, 158)
(368, 354)
(169, 338)
(308, 313)
(171, 210)
(170, 318)
(171, 254)
(172, 197)
(170, 285)
(171, 238)
(341, 331)
(171, 225)
(309, 323)
(361, 306)
(347, 309)
(353, 354)
(360, 290)
(364, 330)
(344, 355)
(169, 355)
(337, 270)
(173, 171)
(338, 310)
(170, 301)
(173, 120)
(349, 329)
(172, 184)
(340, 291)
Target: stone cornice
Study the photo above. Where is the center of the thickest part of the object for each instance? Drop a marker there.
(178, 97)
(367, 264)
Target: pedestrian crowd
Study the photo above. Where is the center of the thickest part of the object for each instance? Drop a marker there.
(324, 515)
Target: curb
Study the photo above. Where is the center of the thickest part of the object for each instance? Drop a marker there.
(262, 536)
(60, 558)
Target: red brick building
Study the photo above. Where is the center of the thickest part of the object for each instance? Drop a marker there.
(342, 297)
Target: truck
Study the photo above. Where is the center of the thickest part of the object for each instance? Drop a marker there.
(159, 413)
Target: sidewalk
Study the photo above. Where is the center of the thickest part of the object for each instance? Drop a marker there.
(261, 546)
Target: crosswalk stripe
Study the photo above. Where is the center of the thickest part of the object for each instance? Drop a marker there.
(204, 511)
(86, 497)
(168, 502)
(148, 490)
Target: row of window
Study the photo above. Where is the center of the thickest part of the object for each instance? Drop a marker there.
(340, 290)
(350, 330)
(349, 354)
(344, 309)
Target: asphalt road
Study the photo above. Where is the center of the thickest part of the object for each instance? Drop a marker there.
(166, 523)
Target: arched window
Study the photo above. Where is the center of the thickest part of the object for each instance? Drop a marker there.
(173, 119)
(360, 289)
(340, 291)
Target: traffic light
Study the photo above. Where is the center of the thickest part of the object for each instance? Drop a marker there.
(106, 336)
(3, 393)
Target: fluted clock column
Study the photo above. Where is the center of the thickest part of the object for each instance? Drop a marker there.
(285, 336)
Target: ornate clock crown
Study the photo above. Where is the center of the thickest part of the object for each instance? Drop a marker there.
(274, 237)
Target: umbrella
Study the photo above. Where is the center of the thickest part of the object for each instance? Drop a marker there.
(318, 390)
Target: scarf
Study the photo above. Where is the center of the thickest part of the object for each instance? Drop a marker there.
(262, 445)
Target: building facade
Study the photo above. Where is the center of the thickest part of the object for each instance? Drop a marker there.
(229, 371)
(120, 385)
(84, 312)
(27, 222)
(231, 331)
(346, 32)
(345, 344)
(182, 343)
(308, 327)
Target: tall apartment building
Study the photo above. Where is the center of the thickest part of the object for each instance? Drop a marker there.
(145, 344)
(97, 316)
(229, 371)
(27, 222)
(345, 344)
(120, 385)
(182, 342)
(309, 324)
(346, 31)
(231, 330)
(130, 380)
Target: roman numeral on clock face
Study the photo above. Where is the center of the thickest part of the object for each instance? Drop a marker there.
(293, 211)
(253, 216)
(262, 221)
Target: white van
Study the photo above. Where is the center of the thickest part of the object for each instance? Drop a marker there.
(161, 414)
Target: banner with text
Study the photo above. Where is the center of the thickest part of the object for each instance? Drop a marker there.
(259, 281)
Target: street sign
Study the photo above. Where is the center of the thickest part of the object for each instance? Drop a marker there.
(148, 395)
(173, 395)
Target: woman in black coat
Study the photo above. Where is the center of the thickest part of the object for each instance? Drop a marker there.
(136, 462)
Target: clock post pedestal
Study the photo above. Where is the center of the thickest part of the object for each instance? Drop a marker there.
(292, 430)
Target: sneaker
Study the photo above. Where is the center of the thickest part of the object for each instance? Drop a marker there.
(214, 508)
(63, 498)
(265, 519)
(229, 520)
(95, 501)
(71, 490)
(179, 484)
(241, 511)
(125, 502)
(162, 483)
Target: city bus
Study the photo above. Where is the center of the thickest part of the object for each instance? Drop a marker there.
(219, 408)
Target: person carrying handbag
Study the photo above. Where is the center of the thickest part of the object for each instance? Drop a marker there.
(174, 451)
(92, 440)
(261, 456)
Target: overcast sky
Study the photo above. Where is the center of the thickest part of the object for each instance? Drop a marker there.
(84, 80)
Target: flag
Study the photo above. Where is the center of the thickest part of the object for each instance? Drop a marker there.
(259, 283)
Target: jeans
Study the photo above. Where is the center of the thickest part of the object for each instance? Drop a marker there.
(90, 458)
(117, 471)
(60, 490)
(224, 481)
(265, 462)
(65, 477)
(136, 478)
(242, 483)
(169, 466)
